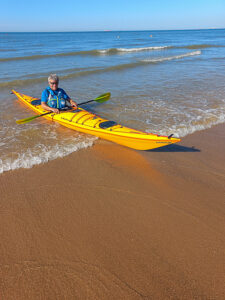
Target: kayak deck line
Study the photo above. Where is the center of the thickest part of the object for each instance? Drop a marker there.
(86, 122)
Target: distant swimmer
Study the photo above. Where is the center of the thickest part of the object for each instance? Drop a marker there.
(118, 36)
(150, 35)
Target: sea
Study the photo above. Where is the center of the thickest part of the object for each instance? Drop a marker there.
(162, 82)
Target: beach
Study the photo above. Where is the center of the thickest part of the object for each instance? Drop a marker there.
(83, 218)
(108, 222)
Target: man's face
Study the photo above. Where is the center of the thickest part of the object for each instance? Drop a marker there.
(53, 84)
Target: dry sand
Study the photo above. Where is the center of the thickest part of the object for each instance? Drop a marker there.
(109, 222)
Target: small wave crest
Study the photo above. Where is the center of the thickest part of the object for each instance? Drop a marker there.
(96, 70)
(187, 122)
(118, 50)
(109, 51)
(182, 130)
(161, 59)
(202, 46)
(36, 156)
(95, 52)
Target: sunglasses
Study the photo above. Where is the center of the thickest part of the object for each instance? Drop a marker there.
(53, 83)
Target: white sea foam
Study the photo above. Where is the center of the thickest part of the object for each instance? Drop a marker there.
(172, 57)
(115, 50)
(42, 154)
(141, 49)
(181, 128)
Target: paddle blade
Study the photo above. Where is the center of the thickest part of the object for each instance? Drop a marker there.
(22, 121)
(102, 98)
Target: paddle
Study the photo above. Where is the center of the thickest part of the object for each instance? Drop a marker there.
(100, 99)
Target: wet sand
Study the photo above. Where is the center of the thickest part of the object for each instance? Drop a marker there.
(109, 222)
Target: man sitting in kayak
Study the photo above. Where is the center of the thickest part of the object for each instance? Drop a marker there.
(53, 98)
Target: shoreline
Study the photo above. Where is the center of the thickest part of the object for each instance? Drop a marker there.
(109, 222)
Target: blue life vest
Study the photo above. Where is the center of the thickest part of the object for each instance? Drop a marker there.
(56, 101)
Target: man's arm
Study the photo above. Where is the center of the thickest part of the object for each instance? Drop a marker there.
(67, 98)
(72, 103)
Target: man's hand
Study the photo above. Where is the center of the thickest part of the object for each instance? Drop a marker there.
(73, 103)
(45, 106)
(55, 110)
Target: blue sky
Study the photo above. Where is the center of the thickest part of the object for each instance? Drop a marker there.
(87, 15)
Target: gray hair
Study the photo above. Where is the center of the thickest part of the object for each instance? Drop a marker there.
(53, 77)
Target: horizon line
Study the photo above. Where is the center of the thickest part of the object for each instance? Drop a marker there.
(109, 30)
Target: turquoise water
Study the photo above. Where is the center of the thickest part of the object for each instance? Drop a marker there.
(161, 81)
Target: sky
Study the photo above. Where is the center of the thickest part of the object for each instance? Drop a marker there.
(90, 15)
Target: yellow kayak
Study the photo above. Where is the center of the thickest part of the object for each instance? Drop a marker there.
(84, 121)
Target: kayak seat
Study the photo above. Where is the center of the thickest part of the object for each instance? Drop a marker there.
(107, 124)
(36, 102)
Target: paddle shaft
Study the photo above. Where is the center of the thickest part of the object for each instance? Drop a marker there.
(100, 99)
(48, 113)
(85, 102)
(71, 106)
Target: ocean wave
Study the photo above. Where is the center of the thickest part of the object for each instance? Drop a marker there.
(97, 70)
(43, 56)
(185, 121)
(161, 59)
(30, 157)
(182, 130)
(7, 50)
(109, 51)
(128, 50)
(29, 81)
(201, 46)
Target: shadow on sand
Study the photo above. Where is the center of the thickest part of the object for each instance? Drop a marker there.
(174, 148)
